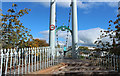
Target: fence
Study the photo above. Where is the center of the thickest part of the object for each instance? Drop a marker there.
(111, 62)
(26, 60)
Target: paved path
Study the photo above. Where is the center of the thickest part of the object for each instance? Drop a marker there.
(84, 67)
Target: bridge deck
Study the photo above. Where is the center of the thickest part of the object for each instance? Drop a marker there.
(78, 67)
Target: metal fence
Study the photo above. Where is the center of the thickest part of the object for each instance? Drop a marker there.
(26, 60)
(111, 62)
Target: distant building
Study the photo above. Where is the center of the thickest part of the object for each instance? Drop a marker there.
(104, 53)
(91, 48)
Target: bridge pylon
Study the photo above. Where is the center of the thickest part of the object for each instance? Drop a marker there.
(52, 26)
(74, 29)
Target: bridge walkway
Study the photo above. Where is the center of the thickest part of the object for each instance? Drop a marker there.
(79, 67)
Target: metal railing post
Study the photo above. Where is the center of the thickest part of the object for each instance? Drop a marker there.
(22, 61)
(108, 61)
(111, 60)
(25, 58)
(19, 62)
(114, 61)
(49, 58)
(40, 58)
(45, 57)
(7, 54)
(32, 59)
(1, 60)
(11, 61)
(29, 60)
(15, 61)
(117, 61)
(35, 59)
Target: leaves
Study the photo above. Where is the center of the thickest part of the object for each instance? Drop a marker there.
(110, 25)
(110, 21)
(109, 28)
(9, 10)
(14, 5)
(12, 11)
(13, 30)
(1, 14)
(113, 32)
(116, 26)
(29, 9)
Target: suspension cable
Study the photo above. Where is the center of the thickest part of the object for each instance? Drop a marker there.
(56, 32)
(67, 38)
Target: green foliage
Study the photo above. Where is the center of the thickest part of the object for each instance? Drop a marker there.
(58, 46)
(13, 32)
(83, 48)
(82, 57)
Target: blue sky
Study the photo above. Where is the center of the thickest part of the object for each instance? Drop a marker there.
(91, 16)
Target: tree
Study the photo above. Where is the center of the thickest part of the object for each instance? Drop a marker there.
(113, 33)
(13, 32)
(0, 35)
(37, 43)
(83, 48)
(58, 46)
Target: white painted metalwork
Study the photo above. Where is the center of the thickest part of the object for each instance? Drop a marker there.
(7, 61)
(74, 29)
(32, 59)
(35, 59)
(19, 62)
(52, 22)
(29, 60)
(25, 60)
(40, 59)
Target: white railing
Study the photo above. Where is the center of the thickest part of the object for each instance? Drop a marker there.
(26, 60)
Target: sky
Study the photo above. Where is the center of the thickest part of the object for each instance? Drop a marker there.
(92, 17)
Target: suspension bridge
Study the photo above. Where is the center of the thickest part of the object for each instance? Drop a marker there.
(51, 60)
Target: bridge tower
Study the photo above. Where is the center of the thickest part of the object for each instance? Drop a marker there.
(74, 29)
(52, 26)
(119, 17)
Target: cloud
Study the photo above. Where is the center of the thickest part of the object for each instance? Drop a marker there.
(85, 37)
(100, 0)
(66, 3)
(60, 0)
(86, 5)
(112, 4)
(83, 4)
(89, 36)
(45, 35)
